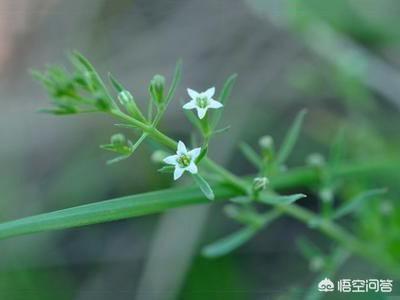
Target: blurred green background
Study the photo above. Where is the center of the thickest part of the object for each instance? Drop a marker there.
(340, 59)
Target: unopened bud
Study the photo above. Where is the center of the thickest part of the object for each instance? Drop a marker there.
(386, 207)
(260, 183)
(266, 142)
(326, 195)
(125, 97)
(156, 88)
(315, 160)
(118, 139)
(158, 156)
(317, 263)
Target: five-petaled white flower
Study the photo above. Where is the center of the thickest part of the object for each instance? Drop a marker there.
(184, 160)
(202, 101)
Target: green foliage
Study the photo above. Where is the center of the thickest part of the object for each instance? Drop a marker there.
(230, 242)
(204, 186)
(290, 138)
(355, 203)
(223, 98)
(257, 200)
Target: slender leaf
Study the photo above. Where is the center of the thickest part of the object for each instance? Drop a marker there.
(230, 242)
(115, 83)
(308, 249)
(291, 138)
(337, 149)
(279, 199)
(117, 159)
(356, 202)
(223, 98)
(204, 186)
(221, 130)
(166, 169)
(111, 210)
(175, 81)
(251, 155)
(130, 126)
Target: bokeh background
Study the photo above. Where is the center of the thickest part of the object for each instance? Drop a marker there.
(340, 59)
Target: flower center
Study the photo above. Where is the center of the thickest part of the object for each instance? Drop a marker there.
(184, 161)
(202, 102)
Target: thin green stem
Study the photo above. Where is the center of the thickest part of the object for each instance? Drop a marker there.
(305, 176)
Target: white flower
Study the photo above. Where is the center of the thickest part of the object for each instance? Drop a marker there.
(184, 160)
(202, 101)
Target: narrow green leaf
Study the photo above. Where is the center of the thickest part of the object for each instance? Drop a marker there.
(308, 249)
(279, 199)
(249, 216)
(166, 169)
(115, 83)
(204, 186)
(229, 243)
(356, 202)
(223, 98)
(111, 210)
(291, 138)
(117, 159)
(337, 149)
(130, 126)
(221, 130)
(139, 141)
(175, 81)
(251, 155)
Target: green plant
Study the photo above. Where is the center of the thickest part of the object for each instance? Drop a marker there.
(255, 201)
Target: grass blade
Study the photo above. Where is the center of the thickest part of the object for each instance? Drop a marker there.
(115, 83)
(175, 81)
(111, 210)
(279, 199)
(230, 242)
(204, 186)
(251, 155)
(356, 202)
(223, 98)
(291, 138)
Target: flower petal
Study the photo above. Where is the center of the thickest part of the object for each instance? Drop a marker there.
(192, 168)
(194, 154)
(214, 104)
(192, 93)
(190, 105)
(201, 112)
(171, 160)
(209, 93)
(178, 172)
(181, 150)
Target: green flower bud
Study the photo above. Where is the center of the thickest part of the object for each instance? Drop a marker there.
(386, 207)
(125, 97)
(315, 160)
(118, 139)
(267, 147)
(158, 156)
(266, 143)
(260, 183)
(326, 195)
(317, 263)
(156, 88)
